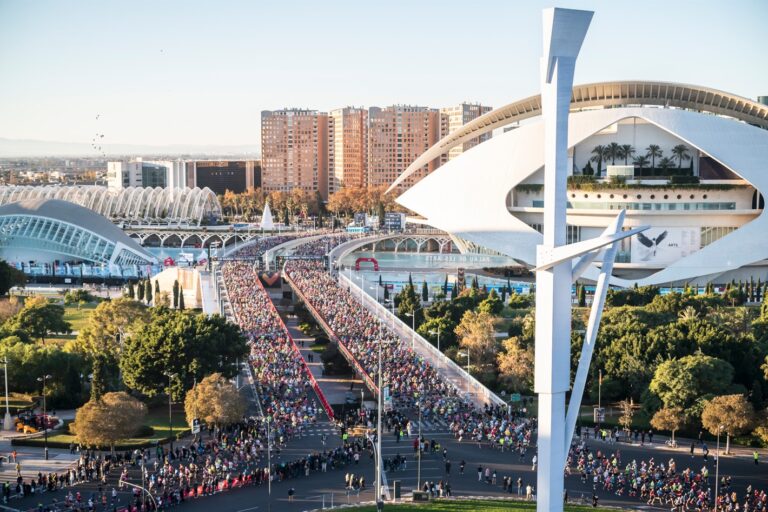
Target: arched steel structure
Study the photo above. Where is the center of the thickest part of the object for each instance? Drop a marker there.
(604, 94)
(59, 229)
(133, 205)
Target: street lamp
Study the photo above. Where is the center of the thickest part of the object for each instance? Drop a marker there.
(462, 354)
(717, 463)
(433, 332)
(412, 314)
(418, 474)
(7, 420)
(377, 292)
(379, 502)
(170, 376)
(42, 379)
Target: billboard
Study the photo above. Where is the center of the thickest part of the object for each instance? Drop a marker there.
(665, 245)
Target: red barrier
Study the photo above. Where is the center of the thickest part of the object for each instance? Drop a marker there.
(345, 352)
(371, 260)
(312, 380)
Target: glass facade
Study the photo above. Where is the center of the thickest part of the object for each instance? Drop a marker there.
(637, 206)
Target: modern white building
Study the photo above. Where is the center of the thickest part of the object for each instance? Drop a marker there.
(689, 161)
(141, 173)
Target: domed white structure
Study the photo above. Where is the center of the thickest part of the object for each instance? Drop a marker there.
(50, 230)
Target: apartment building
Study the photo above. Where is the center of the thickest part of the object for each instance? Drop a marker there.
(347, 148)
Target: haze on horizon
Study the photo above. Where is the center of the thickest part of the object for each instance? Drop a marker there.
(199, 73)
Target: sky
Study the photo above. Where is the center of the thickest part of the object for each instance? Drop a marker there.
(200, 72)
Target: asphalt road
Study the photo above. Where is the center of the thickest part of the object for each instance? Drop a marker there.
(326, 488)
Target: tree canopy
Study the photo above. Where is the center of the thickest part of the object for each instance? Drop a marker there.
(109, 420)
(731, 412)
(9, 277)
(39, 318)
(680, 382)
(215, 401)
(188, 345)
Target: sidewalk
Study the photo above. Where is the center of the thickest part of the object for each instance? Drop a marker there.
(334, 388)
(684, 447)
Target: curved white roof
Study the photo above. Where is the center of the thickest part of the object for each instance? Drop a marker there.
(64, 228)
(132, 204)
(467, 196)
(603, 94)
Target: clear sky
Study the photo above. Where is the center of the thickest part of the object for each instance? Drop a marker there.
(200, 72)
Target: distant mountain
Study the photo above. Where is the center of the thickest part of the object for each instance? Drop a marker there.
(41, 148)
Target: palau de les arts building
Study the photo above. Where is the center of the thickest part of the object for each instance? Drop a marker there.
(699, 190)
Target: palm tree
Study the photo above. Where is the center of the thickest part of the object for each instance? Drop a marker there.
(666, 163)
(613, 150)
(599, 152)
(641, 162)
(627, 152)
(653, 152)
(681, 153)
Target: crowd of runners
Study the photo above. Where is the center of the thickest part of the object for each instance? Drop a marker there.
(410, 378)
(279, 371)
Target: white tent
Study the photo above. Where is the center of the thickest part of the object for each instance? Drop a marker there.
(266, 218)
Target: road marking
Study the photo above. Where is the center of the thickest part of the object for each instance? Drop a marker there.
(245, 509)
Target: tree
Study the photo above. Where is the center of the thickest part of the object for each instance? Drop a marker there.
(627, 408)
(39, 318)
(582, 296)
(515, 363)
(148, 291)
(445, 285)
(176, 293)
(491, 304)
(215, 401)
(679, 382)
(669, 418)
(190, 346)
(613, 151)
(105, 422)
(181, 299)
(733, 413)
(424, 291)
(476, 335)
(598, 153)
(157, 288)
(10, 276)
(681, 153)
(407, 304)
(653, 152)
(130, 291)
(641, 162)
(627, 151)
(140, 290)
(444, 325)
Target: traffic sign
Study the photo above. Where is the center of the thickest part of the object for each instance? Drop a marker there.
(195, 426)
(515, 397)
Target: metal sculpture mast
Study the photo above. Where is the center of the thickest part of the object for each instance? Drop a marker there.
(558, 265)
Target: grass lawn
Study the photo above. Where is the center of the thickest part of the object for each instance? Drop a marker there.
(78, 317)
(157, 419)
(463, 506)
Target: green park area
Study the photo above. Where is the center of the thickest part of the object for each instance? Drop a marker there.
(118, 363)
(463, 506)
(678, 363)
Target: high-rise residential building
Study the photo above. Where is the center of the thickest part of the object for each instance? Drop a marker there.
(454, 117)
(141, 173)
(397, 135)
(347, 148)
(294, 150)
(221, 175)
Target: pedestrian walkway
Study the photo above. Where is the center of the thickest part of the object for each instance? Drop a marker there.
(335, 388)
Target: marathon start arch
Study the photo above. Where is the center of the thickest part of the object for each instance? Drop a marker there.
(371, 260)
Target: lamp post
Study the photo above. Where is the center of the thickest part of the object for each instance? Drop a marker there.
(418, 473)
(462, 354)
(170, 376)
(440, 361)
(412, 314)
(379, 503)
(44, 379)
(717, 463)
(7, 420)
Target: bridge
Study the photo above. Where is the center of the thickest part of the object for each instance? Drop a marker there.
(421, 240)
(174, 236)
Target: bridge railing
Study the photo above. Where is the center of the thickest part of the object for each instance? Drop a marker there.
(447, 368)
(359, 370)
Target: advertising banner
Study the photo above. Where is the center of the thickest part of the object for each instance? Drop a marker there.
(665, 245)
